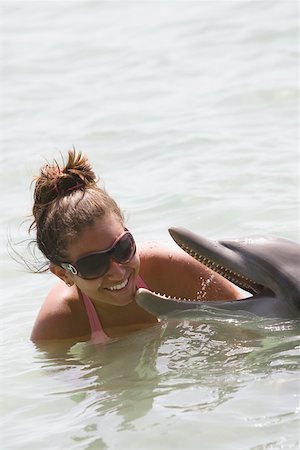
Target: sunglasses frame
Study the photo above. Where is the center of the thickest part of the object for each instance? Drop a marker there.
(73, 268)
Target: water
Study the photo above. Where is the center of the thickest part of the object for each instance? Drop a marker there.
(189, 113)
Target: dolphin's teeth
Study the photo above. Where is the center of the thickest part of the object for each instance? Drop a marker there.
(236, 278)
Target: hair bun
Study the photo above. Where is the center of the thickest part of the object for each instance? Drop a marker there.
(57, 181)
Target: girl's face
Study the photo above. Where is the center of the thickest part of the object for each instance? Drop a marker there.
(118, 285)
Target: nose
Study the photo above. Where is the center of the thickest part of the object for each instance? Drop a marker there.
(116, 271)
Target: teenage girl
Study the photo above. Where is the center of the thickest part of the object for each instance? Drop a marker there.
(81, 232)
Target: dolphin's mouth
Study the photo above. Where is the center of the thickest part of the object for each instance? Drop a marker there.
(234, 277)
(269, 289)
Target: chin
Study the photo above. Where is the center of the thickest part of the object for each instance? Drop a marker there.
(124, 302)
(117, 300)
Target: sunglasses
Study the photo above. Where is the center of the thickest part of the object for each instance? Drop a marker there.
(95, 265)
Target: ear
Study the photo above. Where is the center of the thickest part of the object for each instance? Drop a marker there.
(61, 273)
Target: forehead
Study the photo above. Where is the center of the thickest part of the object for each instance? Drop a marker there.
(96, 237)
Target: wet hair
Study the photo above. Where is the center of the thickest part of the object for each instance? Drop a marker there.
(66, 199)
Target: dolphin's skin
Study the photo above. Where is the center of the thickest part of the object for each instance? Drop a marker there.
(266, 267)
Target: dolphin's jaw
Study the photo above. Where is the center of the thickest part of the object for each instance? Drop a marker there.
(234, 277)
(158, 295)
(168, 297)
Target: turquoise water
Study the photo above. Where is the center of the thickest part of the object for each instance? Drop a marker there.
(189, 113)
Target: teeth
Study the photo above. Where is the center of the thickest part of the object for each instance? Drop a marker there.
(116, 287)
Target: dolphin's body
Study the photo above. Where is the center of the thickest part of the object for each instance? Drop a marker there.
(266, 267)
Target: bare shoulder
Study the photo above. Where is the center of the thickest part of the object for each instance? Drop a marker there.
(163, 253)
(160, 250)
(170, 270)
(59, 315)
(164, 264)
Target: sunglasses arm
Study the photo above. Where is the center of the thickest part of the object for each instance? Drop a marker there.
(70, 268)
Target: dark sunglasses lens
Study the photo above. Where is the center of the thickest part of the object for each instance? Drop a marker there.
(96, 265)
(93, 266)
(124, 249)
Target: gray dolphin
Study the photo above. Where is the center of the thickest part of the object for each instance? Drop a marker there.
(266, 267)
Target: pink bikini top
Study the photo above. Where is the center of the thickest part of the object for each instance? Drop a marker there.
(97, 333)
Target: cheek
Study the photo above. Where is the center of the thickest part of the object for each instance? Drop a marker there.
(88, 286)
(135, 263)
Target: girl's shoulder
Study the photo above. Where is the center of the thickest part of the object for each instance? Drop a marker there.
(61, 315)
(159, 250)
(163, 253)
(165, 266)
(168, 269)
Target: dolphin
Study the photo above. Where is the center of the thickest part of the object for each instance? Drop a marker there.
(266, 267)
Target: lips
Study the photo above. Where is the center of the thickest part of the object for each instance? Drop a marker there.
(118, 287)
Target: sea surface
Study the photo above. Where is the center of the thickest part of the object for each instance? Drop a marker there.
(189, 113)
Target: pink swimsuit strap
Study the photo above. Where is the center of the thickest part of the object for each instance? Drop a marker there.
(97, 333)
(140, 283)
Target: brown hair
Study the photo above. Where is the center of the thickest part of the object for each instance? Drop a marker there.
(66, 199)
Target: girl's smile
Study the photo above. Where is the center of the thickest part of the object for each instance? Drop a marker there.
(118, 287)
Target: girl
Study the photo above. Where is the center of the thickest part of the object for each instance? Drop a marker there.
(81, 232)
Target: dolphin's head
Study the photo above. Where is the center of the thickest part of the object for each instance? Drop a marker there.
(252, 263)
(255, 264)
(266, 267)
